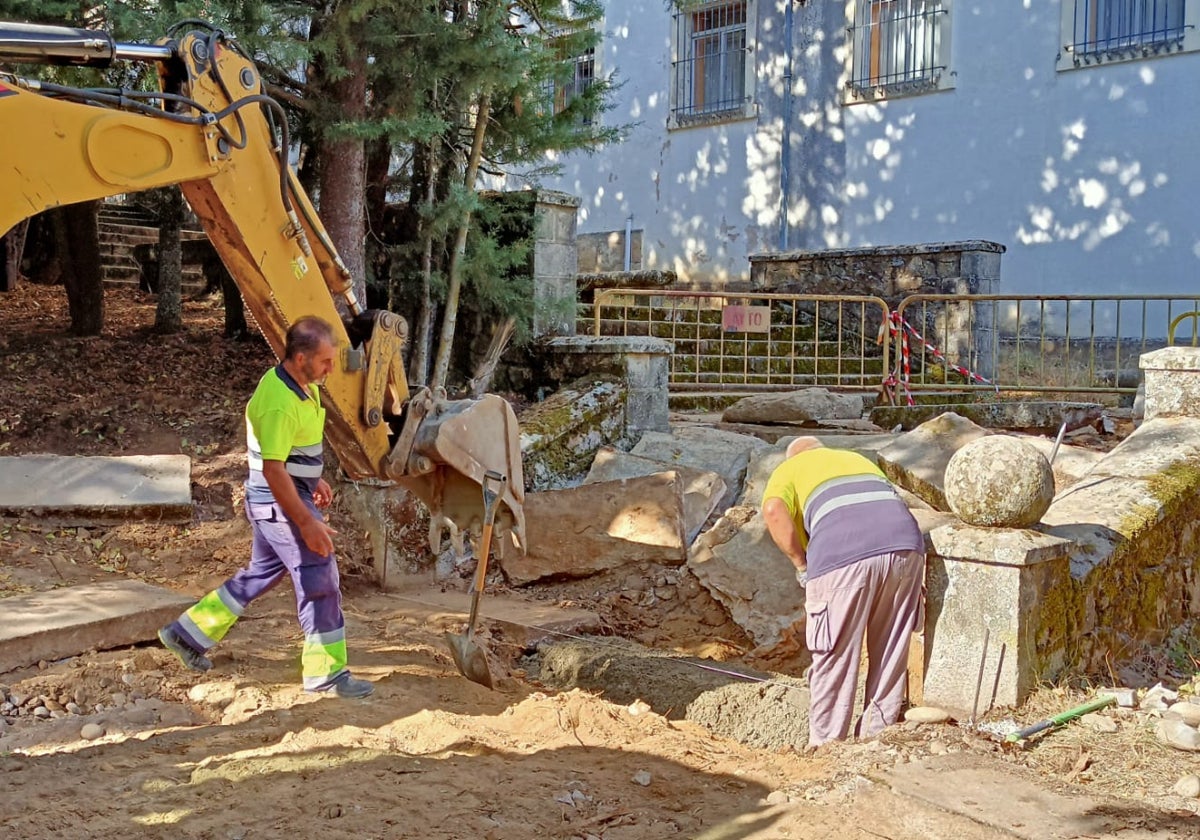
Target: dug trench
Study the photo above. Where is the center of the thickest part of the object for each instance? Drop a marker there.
(763, 710)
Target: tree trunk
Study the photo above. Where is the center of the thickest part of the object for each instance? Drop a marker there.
(168, 317)
(441, 366)
(235, 308)
(343, 179)
(14, 248)
(79, 241)
(419, 364)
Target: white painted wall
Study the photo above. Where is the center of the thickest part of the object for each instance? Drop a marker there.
(1088, 177)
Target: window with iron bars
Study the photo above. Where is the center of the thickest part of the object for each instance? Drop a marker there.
(1100, 31)
(898, 47)
(561, 93)
(711, 49)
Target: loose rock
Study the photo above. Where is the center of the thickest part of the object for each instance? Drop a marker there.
(91, 731)
(642, 778)
(1188, 787)
(927, 714)
(1187, 712)
(1099, 723)
(1175, 733)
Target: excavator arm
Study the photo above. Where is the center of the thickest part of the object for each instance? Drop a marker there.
(212, 131)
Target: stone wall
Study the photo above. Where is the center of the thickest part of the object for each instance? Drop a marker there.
(605, 251)
(893, 273)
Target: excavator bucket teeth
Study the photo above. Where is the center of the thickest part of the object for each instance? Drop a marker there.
(457, 443)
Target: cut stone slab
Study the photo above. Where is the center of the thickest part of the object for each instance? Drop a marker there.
(809, 405)
(917, 460)
(739, 564)
(764, 460)
(82, 490)
(595, 527)
(1043, 417)
(1018, 806)
(724, 453)
(767, 711)
(774, 432)
(702, 489)
(560, 434)
(98, 616)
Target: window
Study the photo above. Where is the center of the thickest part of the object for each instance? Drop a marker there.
(575, 76)
(1100, 31)
(710, 67)
(585, 74)
(898, 47)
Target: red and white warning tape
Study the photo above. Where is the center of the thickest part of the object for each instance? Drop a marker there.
(903, 373)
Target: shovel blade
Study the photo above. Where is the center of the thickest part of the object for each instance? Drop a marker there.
(470, 659)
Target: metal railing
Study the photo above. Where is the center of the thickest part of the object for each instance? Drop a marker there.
(1036, 343)
(1105, 29)
(711, 48)
(755, 342)
(896, 43)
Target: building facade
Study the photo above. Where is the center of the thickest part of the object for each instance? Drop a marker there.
(1061, 129)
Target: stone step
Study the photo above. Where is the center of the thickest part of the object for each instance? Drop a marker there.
(95, 616)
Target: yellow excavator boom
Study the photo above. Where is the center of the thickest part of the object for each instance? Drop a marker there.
(212, 130)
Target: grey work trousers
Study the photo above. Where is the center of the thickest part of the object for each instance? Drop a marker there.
(879, 598)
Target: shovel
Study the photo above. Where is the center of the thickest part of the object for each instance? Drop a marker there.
(470, 658)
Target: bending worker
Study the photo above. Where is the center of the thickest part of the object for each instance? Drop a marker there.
(861, 557)
(285, 495)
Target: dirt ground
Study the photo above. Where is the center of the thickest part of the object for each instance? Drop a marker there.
(135, 746)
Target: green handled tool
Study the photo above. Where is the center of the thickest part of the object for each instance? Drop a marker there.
(1062, 719)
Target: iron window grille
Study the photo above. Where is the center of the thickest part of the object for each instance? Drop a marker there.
(710, 66)
(560, 94)
(896, 46)
(1106, 30)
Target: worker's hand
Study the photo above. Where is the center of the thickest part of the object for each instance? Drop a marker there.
(317, 536)
(323, 495)
(802, 577)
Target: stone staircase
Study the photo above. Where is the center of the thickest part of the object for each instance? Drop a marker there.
(122, 228)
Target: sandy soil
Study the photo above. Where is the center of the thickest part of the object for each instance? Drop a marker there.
(136, 746)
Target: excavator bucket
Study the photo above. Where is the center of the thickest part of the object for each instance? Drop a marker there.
(455, 444)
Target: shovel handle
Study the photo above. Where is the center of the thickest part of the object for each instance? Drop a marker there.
(490, 498)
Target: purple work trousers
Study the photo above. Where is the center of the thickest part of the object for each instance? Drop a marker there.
(879, 598)
(277, 550)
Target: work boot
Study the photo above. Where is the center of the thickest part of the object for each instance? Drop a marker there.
(184, 652)
(348, 688)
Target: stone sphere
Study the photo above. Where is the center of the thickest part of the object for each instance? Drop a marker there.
(999, 481)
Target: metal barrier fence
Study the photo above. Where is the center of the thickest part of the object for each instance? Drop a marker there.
(755, 342)
(1034, 343)
(776, 342)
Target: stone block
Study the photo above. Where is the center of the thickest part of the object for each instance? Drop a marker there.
(96, 616)
(641, 362)
(739, 564)
(591, 528)
(1172, 381)
(702, 489)
(807, 405)
(555, 259)
(724, 453)
(1000, 583)
(560, 435)
(917, 460)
